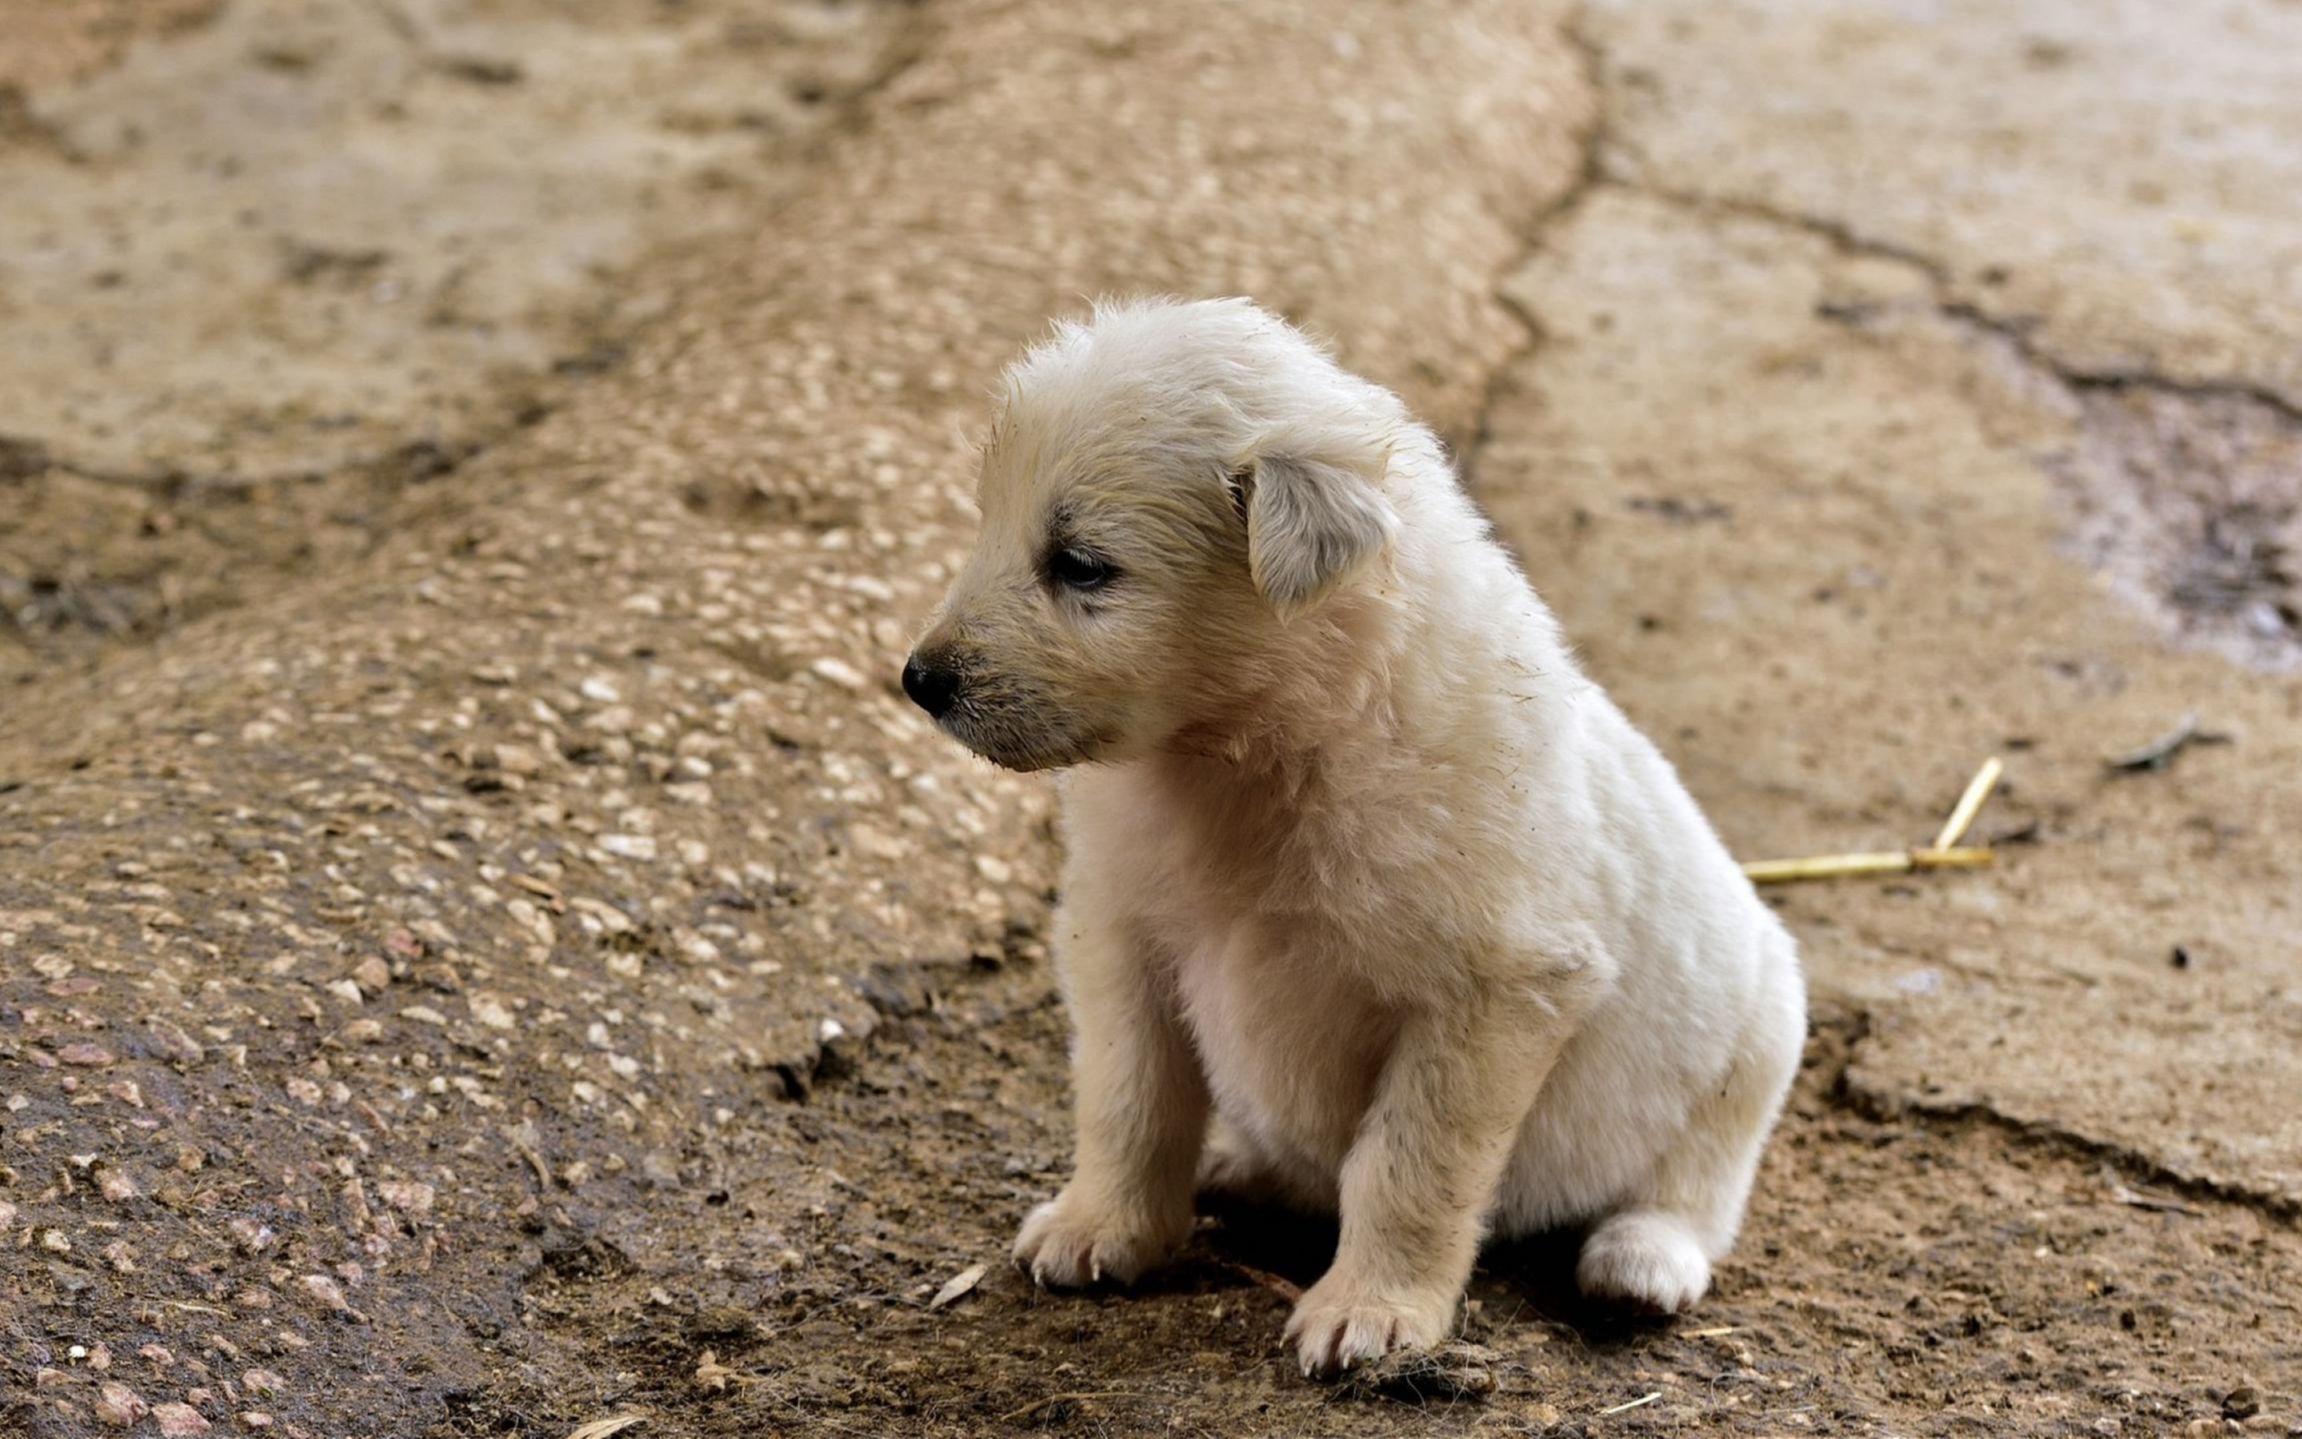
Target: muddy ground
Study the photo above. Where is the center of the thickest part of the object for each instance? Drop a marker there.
(484, 949)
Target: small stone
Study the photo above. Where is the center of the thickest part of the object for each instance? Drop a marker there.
(840, 673)
(721, 1322)
(2241, 1403)
(629, 846)
(118, 1405)
(179, 1419)
(492, 1012)
(599, 689)
(346, 990)
(372, 974)
(253, 1234)
(328, 1292)
(408, 1195)
(263, 1383)
(518, 759)
(175, 1043)
(88, 1056)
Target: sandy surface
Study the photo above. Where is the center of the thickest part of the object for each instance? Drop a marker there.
(484, 948)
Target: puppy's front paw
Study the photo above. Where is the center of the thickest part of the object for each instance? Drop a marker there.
(1070, 1242)
(1344, 1319)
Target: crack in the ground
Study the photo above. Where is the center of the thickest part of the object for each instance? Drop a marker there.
(2017, 332)
(1847, 1028)
(1612, 160)
(2017, 336)
(1588, 177)
(2135, 1167)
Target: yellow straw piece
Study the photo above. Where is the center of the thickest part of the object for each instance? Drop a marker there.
(1969, 804)
(1836, 866)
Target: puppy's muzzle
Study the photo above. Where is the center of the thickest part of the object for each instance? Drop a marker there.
(932, 685)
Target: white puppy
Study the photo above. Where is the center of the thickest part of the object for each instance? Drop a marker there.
(1362, 868)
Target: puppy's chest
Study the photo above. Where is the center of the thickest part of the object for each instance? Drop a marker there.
(1291, 1041)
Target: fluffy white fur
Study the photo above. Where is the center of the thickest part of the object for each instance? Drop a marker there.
(1373, 899)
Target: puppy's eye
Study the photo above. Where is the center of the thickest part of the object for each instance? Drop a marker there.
(1078, 569)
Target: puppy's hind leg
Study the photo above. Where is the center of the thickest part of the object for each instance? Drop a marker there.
(1234, 1167)
(1655, 1252)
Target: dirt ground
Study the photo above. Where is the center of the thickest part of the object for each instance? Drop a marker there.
(486, 950)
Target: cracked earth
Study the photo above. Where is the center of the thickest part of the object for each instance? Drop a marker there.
(485, 949)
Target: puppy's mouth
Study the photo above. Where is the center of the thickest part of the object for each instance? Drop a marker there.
(1023, 749)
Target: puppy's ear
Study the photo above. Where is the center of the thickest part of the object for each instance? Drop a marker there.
(1309, 524)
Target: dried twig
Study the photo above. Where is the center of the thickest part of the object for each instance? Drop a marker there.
(1944, 853)
(535, 1161)
(1640, 1402)
(1969, 804)
(1835, 866)
(2160, 752)
(959, 1286)
(2144, 1199)
(1280, 1285)
(602, 1428)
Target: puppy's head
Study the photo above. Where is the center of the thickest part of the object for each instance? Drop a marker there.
(1166, 490)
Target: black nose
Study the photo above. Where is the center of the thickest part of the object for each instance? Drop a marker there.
(931, 688)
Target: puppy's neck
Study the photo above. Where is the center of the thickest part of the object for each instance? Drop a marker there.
(1329, 690)
(1391, 668)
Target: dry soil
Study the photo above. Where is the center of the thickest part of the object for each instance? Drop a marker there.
(485, 950)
